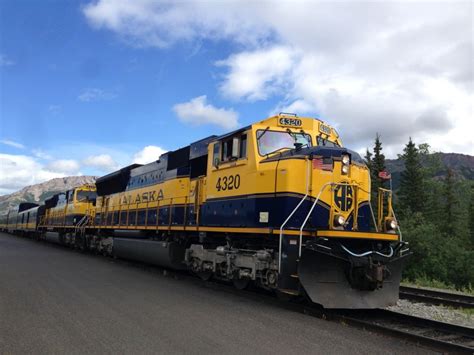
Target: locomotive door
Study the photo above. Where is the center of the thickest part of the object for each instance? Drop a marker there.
(229, 163)
(196, 197)
(105, 210)
(226, 183)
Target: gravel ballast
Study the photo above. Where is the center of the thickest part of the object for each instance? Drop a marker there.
(438, 313)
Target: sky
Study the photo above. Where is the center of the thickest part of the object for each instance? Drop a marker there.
(87, 87)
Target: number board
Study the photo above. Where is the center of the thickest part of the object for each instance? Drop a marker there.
(292, 122)
(324, 129)
(231, 182)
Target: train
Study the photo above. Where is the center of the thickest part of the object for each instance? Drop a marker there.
(280, 204)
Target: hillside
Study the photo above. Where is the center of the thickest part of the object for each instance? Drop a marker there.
(39, 192)
(461, 164)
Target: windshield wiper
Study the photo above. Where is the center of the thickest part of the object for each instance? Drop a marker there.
(292, 135)
(261, 134)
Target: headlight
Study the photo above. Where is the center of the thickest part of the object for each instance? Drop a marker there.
(345, 169)
(391, 224)
(346, 160)
(339, 220)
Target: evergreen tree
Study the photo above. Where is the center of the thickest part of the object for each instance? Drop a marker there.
(411, 191)
(471, 216)
(433, 188)
(368, 159)
(450, 202)
(377, 165)
(378, 161)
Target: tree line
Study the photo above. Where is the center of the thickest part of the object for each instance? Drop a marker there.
(435, 213)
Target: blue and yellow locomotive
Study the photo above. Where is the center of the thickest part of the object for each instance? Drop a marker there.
(280, 203)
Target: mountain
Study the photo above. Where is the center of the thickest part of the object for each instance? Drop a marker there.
(39, 192)
(462, 166)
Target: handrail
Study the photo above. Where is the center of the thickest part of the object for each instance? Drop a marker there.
(368, 252)
(146, 213)
(291, 215)
(398, 226)
(185, 210)
(81, 225)
(170, 218)
(370, 203)
(309, 213)
(390, 210)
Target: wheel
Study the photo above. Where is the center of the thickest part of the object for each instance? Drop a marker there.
(241, 284)
(204, 275)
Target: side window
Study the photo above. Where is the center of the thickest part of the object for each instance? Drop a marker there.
(243, 146)
(215, 155)
(71, 196)
(226, 150)
(233, 148)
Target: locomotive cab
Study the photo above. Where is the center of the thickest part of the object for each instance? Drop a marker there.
(71, 207)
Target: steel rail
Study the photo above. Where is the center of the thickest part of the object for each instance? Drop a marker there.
(437, 335)
(436, 297)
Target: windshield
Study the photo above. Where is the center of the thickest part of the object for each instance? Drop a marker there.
(325, 143)
(271, 141)
(83, 196)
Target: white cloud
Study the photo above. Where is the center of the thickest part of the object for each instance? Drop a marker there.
(39, 153)
(94, 94)
(18, 171)
(55, 109)
(161, 23)
(5, 61)
(12, 144)
(398, 68)
(148, 154)
(300, 106)
(198, 112)
(64, 166)
(255, 75)
(103, 162)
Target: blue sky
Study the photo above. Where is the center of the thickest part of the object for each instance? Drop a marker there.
(59, 57)
(89, 86)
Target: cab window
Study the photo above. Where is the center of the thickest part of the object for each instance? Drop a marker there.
(325, 142)
(83, 196)
(272, 141)
(230, 149)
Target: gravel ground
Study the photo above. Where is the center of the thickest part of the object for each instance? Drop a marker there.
(57, 301)
(438, 313)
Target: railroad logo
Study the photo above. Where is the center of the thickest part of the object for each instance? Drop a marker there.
(344, 197)
(149, 196)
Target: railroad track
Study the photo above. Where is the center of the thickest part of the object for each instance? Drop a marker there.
(428, 333)
(433, 334)
(436, 297)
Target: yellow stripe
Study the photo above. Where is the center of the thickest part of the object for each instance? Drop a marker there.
(360, 235)
(325, 233)
(210, 229)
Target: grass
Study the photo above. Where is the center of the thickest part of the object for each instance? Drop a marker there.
(425, 282)
(467, 311)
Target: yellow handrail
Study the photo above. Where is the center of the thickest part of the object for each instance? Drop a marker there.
(381, 217)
